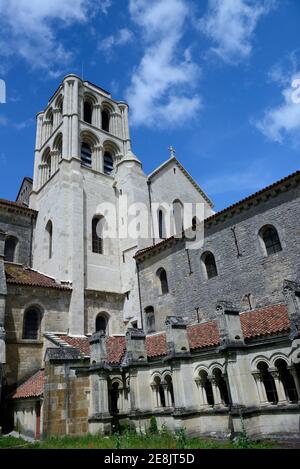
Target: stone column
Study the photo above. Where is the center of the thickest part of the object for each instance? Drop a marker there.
(293, 372)
(54, 155)
(201, 387)
(134, 404)
(279, 387)
(216, 391)
(166, 394)
(103, 394)
(154, 396)
(97, 118)
(56, 117)
(261, 390)
(97, 161)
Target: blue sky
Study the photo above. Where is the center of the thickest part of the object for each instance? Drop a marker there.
(211, 77)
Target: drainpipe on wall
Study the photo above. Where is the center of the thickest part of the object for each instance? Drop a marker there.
(150, 202)
(139, 290)
(31, 242)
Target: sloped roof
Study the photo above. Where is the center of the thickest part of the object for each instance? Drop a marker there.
(115, 349)
(156, 345)
(265, 321)
(19, 275)
(19, 206)
(32, 387)
(80, 343)
(203, 335)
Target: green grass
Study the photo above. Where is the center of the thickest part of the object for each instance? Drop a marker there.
(130, 440)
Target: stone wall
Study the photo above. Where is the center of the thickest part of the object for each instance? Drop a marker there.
(19, 225)
(109, 304)
(24, 357)
(66, 399)
(249, 273)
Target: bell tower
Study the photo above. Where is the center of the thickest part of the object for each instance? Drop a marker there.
(82, 138)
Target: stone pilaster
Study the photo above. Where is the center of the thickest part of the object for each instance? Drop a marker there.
(291, 291)
(231, 334)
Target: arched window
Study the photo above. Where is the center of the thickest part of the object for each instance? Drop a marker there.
(49, 233)
(31, 324)
(270, 239)
(162, 275)
(178, 216)
(97, 227)
(150, 319)
(161, 224)
(105, 120)
(108, 165)
(10, 249)
(209, 263)
(87, 112)
(86, 154)
(101, 323)
(287, 380)
(268, 382)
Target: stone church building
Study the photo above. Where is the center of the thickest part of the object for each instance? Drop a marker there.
(98, 331)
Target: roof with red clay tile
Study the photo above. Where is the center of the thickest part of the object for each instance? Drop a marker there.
(203, 335)
(265, 321)
(115, 349)
(262, 322)
(19, 206)
(19, 275)
(82, 343)
(156, 345)
(32, 387)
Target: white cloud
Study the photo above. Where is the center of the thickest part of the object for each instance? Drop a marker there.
(123, 37)
(284, 120)
(105, 5)
(230, 24)
(28, 29)
(161, 89)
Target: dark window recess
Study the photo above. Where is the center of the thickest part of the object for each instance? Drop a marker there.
(272, 241)
(210, 265)
(105, 121)
(86, 154)
(96, 240)
(150, 319)
(101, 323)
(108, 163)
(10, 249)
(31, 324)
(163, 282)
(88, 111)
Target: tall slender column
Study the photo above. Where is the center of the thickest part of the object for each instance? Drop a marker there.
(166, 394)
(103, 394)
(279, 387)
(201, 388)
(216, 391)
(293, 372)
(260, 388)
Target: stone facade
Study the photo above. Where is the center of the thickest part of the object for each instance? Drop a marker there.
(124, 327)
